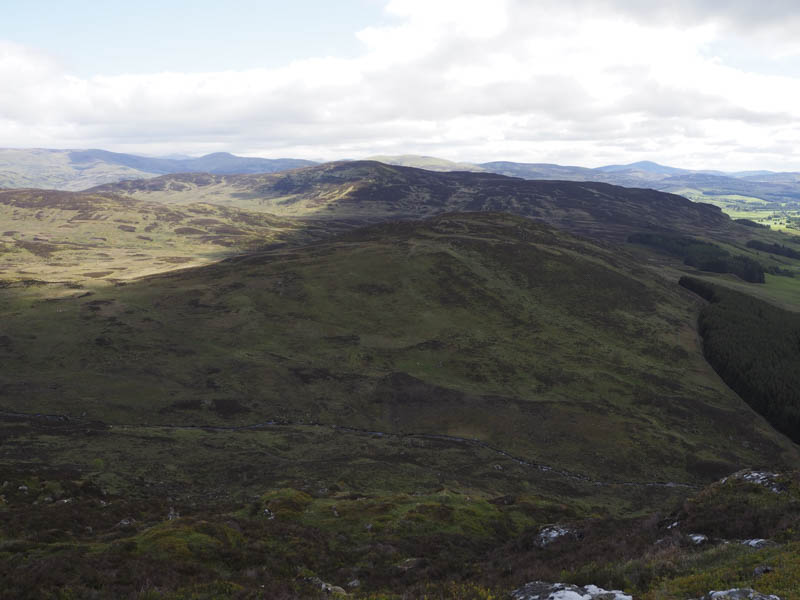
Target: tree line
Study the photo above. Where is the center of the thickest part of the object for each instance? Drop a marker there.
(773, 249)
(703, 255)
(755, 347)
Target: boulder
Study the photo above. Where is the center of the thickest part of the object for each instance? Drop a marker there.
(698, 538)
(551, 533)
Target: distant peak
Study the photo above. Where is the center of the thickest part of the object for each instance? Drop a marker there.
(219, 155)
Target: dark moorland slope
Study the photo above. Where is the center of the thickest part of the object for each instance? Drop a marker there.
(482, 326)
(371, 190)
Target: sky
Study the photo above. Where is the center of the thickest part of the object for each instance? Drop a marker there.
(697, 84)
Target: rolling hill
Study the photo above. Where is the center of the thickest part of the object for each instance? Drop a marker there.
(82, 169)
(767, 196)
(433, 387)
(404, 327)
(360, 192)
(369, 190)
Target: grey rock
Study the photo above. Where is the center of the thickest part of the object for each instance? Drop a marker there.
(757, 543)
(761, 570)
(540, 590)
(551, 533)
(126, 522)
(765, 479)
(698, 538)
(327, 587)
(739, 594)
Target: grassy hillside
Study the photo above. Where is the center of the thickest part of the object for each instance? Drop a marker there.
(80, 237)
(407, 404)
(422, 327)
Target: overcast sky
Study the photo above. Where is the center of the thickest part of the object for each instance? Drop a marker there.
(690, 83)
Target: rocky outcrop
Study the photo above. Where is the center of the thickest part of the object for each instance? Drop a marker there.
(771, 481)
(540, 590)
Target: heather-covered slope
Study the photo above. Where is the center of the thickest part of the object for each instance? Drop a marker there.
(374, 191)
(480, 326)
(77, 237)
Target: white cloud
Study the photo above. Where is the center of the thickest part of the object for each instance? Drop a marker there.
(569, 81)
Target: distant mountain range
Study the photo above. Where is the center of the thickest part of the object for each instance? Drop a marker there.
(82, 169)
(700, 185)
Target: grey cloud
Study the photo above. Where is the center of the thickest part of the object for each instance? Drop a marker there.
(743, 14)
(658, 100)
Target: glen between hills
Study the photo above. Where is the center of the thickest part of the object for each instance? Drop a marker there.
(405, 403)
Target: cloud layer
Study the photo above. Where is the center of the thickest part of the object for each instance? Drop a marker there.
(574, 81)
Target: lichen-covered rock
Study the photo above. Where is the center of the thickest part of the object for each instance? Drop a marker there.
(540, 590)
(738, 594)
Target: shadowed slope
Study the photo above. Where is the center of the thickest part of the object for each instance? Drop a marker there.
(485, 326)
